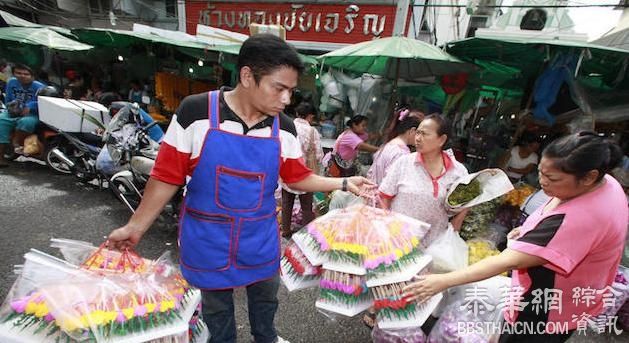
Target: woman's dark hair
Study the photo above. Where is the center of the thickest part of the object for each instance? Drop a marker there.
(355, 120)
(264, 53)
(304, 109)
(402, 126)
(581, 152)
(443, 122)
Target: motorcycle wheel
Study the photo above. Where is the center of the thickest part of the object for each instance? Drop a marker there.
(54, 163)
(124, 191)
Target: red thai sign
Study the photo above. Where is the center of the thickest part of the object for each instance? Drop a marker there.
(303, 22)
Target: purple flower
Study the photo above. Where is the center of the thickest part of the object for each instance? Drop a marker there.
(19, 305)
(120, 318)
(140, 310)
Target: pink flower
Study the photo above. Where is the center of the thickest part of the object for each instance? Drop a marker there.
(120, 318)
(49, 318)
(140, 310)
(19, 305)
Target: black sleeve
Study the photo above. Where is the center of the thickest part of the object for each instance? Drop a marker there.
(287, 124)
(192, 108)
(545, 231)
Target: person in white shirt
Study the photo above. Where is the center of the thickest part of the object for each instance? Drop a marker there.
(523, 158)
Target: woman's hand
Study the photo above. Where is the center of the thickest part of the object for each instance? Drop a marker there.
(425, 287)
(515, 233)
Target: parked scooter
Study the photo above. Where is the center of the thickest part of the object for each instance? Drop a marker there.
(76, 154)
(132, 150)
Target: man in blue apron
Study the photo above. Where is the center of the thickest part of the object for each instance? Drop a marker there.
(229, 148)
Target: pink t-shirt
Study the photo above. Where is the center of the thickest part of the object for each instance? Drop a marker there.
(384, 158)
(347, 143)
(583, 241)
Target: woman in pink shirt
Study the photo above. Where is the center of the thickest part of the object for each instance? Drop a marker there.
(565, 255)
(403, 136)
(347, 146)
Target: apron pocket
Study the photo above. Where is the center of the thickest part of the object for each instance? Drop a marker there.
(205, 240)
(258, 241)
(239, 190)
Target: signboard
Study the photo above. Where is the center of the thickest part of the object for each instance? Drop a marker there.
(317, 22)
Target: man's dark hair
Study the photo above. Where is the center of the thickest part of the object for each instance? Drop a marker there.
(23, 67)
(264, 53)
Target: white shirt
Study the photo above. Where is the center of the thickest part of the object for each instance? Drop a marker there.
(515, 161)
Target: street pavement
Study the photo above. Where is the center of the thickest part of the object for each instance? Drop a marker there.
(36, 205)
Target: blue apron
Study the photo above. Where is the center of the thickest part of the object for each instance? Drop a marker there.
(228, 232)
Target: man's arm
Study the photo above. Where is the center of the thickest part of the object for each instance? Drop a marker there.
(156, 195)
(529, 168)
(316, 183)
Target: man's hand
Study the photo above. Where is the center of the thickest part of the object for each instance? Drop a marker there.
(360, 186)
(124, 237)
(425, 287)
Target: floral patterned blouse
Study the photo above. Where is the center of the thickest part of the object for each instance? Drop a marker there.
(415, 193)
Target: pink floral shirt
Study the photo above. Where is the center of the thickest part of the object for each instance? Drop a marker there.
(415, 193)
(384, 158)
(308, 136)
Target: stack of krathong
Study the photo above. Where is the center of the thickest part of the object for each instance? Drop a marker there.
(361, 247)
(111, 297)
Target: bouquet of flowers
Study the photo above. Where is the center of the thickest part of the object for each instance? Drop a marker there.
(364, 253)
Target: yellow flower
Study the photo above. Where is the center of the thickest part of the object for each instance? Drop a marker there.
(41, 310)
(110, 316)
(31, 307)
(69, 324)
(97, 317)
(150, 307)
(128, 312)
(399, 253)
(414, 241)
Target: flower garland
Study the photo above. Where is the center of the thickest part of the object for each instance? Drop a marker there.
(342, 288)
(391, 304)
(364, 235)
(298, 261)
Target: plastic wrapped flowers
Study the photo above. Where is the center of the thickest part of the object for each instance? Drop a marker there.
(111, 297)
(360, 252)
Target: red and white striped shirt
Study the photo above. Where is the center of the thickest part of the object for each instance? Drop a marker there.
(181, 147)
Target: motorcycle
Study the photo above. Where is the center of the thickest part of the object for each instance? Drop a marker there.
(133, 151)
(76, 153)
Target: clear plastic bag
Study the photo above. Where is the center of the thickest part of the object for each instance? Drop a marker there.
(407, 335)
(296, 271)
(457, 325)
(449, 252)
(103, 299)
